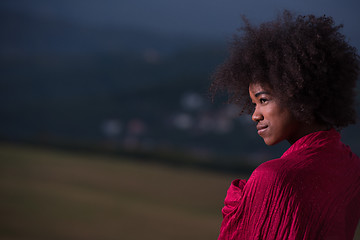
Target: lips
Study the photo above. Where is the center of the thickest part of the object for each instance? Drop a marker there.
(261, 128)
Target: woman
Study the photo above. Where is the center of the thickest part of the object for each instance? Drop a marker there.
(300, 74)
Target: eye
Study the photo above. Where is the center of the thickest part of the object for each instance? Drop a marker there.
(263, 100)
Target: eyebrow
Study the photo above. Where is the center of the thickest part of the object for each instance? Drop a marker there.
(260, 93)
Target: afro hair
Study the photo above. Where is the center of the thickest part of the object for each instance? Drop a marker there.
(305, 60)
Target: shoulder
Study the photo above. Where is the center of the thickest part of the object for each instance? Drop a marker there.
(274, 168)
(268, 174)
(281, 172)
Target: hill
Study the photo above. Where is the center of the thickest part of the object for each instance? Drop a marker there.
(117, 88)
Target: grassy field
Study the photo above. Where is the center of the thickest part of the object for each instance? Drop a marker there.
(48, 194)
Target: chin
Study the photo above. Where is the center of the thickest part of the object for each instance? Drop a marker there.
(271, 142)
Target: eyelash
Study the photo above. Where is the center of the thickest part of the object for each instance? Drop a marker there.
(263, 100)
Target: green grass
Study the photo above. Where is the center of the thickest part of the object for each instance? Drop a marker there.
(48, 194)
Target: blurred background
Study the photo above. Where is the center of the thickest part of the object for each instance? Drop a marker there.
(107, 130)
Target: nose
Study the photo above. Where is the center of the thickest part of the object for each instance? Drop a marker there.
(257, 116)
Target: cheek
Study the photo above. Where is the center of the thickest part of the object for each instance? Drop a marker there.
(286, 123)
(281, 119)
(275, 116)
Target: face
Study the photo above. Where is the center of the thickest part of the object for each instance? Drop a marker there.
(275, 123)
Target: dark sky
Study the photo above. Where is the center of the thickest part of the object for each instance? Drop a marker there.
(201, 18)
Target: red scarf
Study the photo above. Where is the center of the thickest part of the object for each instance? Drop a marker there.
(312, 192)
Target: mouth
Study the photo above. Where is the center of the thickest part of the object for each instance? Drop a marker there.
(261, 128)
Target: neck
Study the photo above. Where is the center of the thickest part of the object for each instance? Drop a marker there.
(307, 129)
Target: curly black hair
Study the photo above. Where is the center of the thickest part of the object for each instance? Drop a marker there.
(304, 59)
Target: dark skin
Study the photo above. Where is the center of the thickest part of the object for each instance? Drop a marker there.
(275, 122)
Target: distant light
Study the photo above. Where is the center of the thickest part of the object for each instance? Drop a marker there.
(151, 56)
(192, 101)
(183, 121)
(111, 127)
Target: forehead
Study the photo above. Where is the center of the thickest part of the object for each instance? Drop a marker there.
(255, 88)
